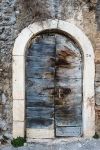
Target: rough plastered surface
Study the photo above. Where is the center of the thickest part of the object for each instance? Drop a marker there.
(14, 17)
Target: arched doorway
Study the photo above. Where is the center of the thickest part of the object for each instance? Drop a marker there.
(20, 47)
(53, 87)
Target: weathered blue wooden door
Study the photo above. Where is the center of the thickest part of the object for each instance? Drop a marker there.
(53, 87)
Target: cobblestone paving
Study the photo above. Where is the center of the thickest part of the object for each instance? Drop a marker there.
(82, 144)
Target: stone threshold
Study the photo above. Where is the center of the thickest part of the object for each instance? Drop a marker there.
(57, 140)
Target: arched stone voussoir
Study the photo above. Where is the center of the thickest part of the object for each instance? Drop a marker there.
(21, 42)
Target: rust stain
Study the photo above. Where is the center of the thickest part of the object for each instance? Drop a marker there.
(61, 60)
(67, 52)
(48, 75)
(59, 102)
(61, 92)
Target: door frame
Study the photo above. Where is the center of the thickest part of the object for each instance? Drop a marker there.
(18, 71)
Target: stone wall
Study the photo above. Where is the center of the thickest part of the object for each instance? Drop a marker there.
(97, 61)
(7, 37)
(16, 15)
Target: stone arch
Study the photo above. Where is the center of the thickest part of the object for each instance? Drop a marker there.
(18, 83)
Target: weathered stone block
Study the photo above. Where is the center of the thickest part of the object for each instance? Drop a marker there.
(18, 77)
(97, 72)
(18, 129)
(18, 110)
(98, 119)
(97, 56)
(97, 86)
(25, 35)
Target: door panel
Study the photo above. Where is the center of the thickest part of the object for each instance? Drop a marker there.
(68, 99)
(40, 100)
(68, 116)
(40, 117)
(40, 88)
(41, 50)
(40, 72)
(68, 131)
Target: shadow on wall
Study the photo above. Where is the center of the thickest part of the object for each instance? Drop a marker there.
(98, 14)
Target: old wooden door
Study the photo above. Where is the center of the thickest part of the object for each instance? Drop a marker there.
(53, 87)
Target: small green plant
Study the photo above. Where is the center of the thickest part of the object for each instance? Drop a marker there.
(18, 142)
(96, 136)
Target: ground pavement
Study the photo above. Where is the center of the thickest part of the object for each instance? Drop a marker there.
(58, 144)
